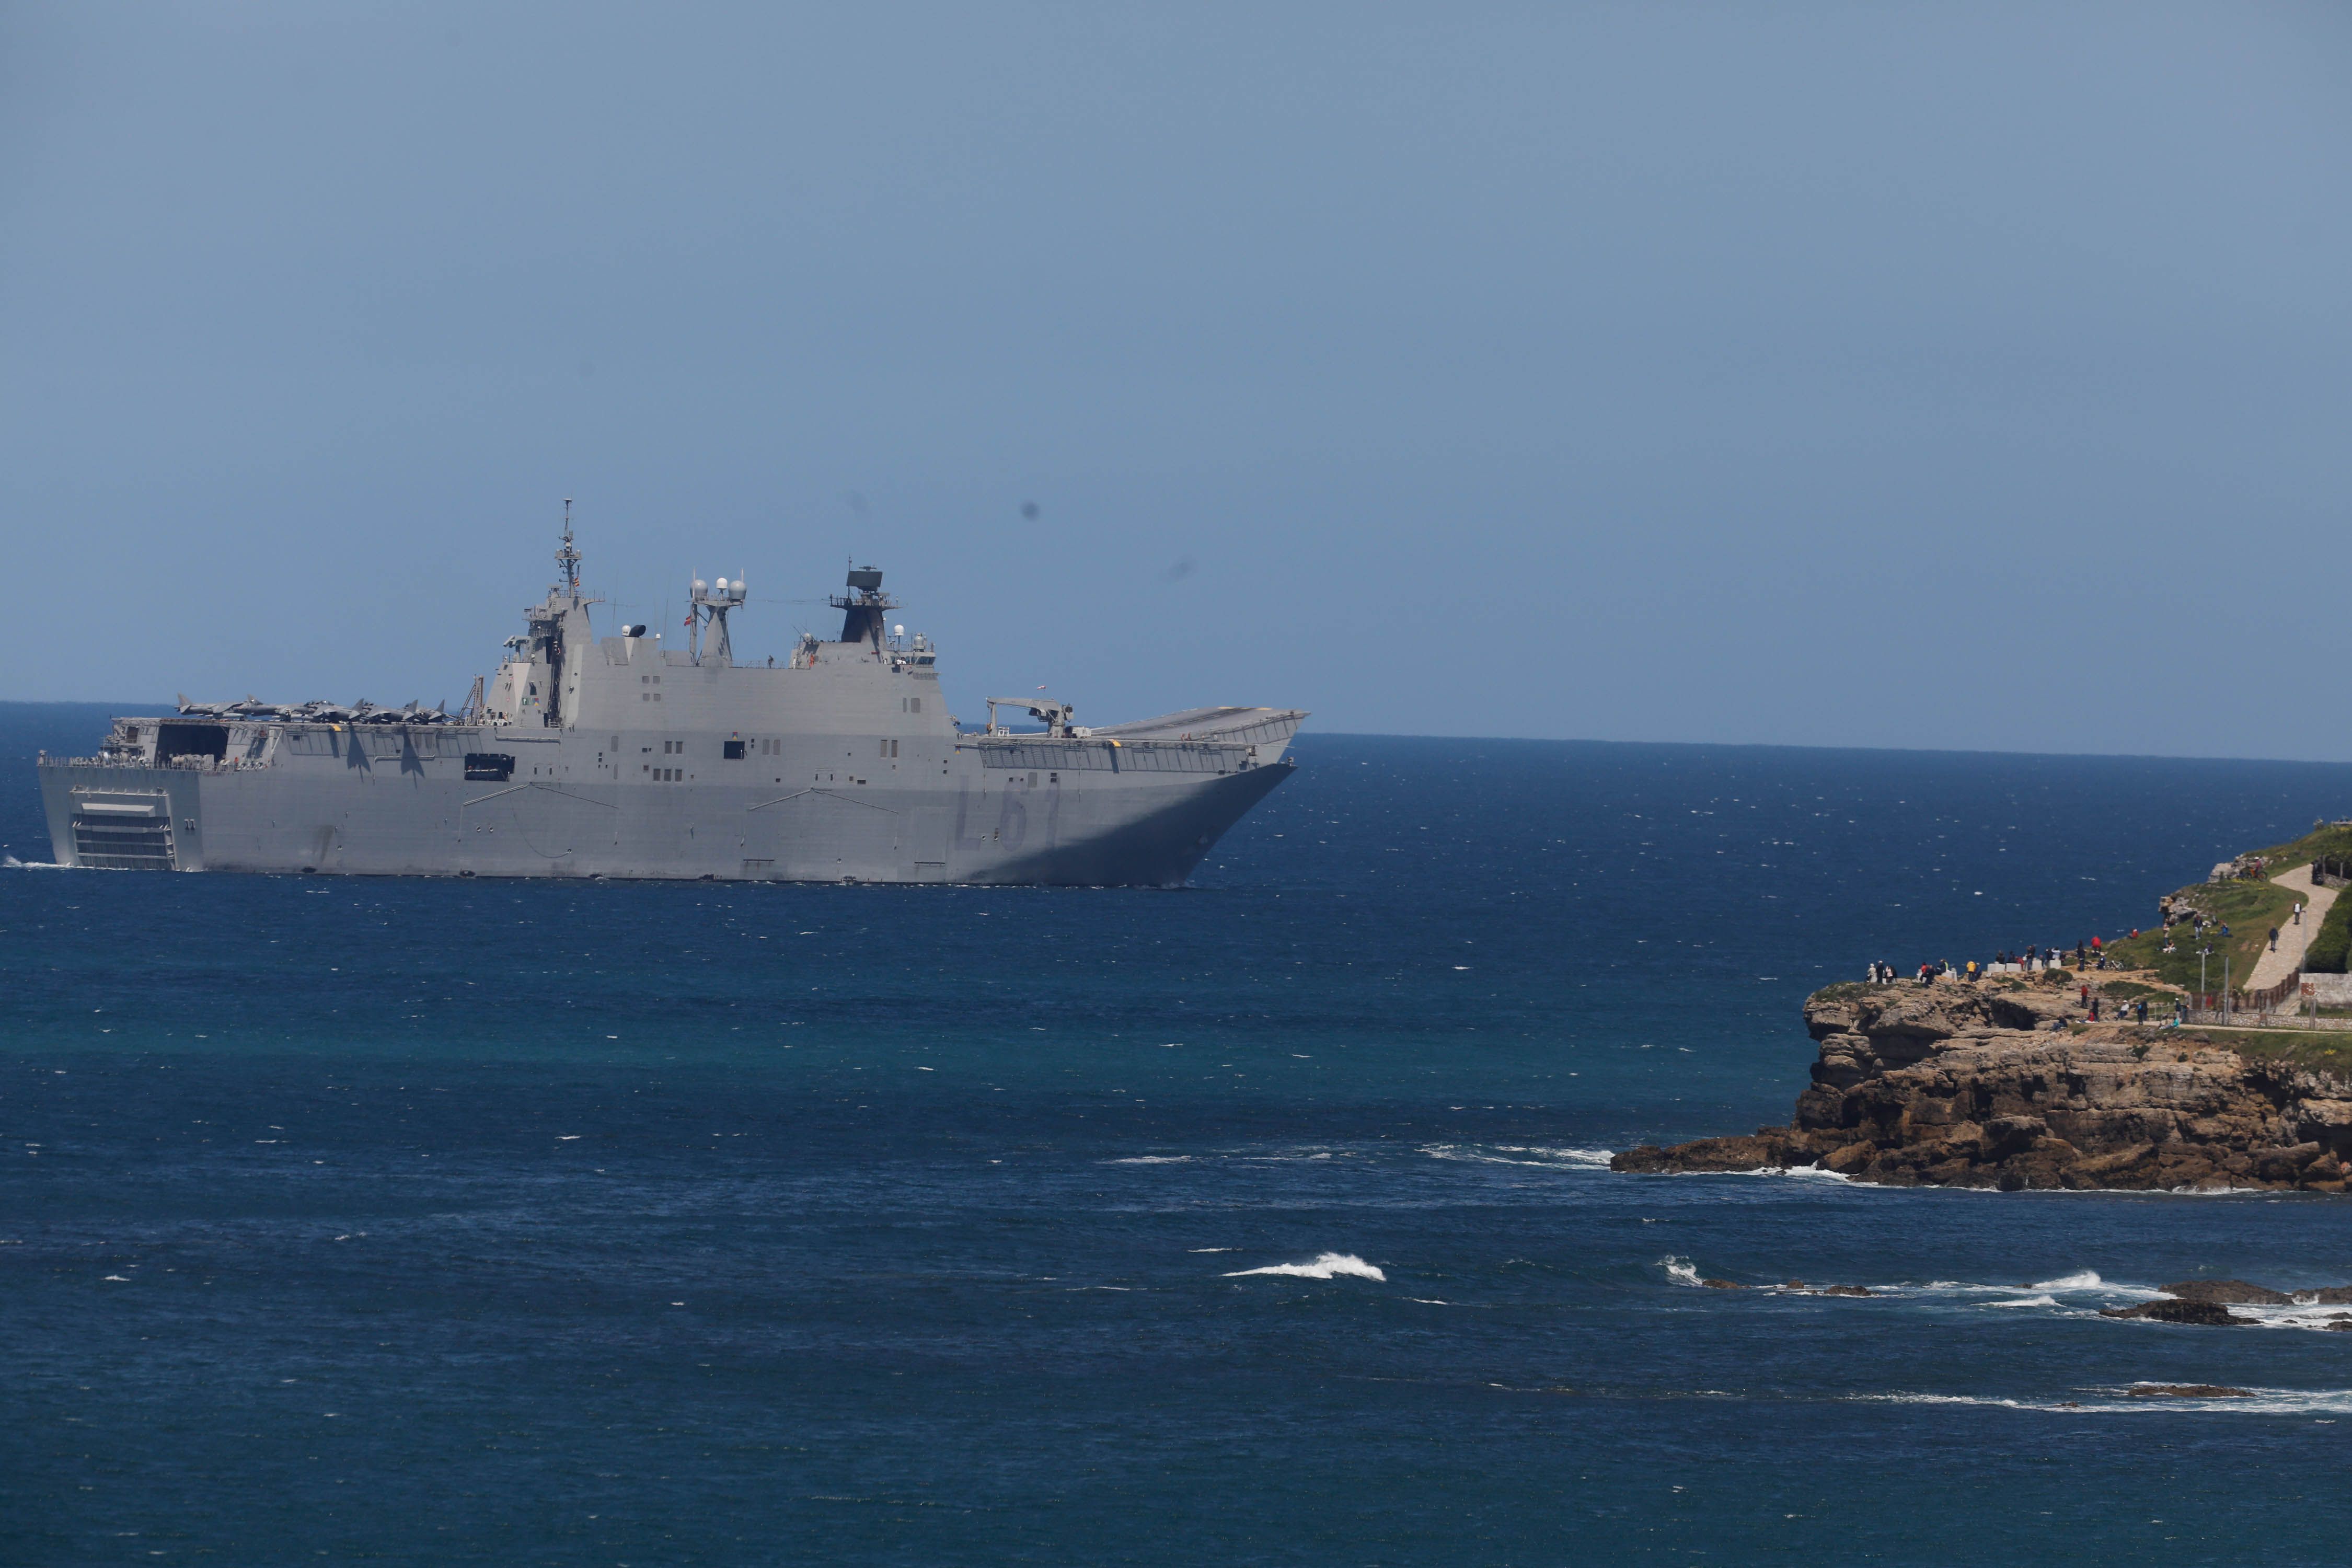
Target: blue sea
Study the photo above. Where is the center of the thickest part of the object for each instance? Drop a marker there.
(1261, 1222)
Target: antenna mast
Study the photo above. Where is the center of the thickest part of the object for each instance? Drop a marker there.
(567, 559)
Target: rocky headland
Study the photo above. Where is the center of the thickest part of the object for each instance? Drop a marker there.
(1997, 1084)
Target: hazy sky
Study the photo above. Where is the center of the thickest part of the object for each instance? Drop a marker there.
(1970, 375)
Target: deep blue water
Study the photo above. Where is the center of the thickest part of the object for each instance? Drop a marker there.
(511, 1222)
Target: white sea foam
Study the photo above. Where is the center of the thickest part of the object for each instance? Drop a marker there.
(2122, 1401)
(1327, 1266)
(2305, 1315)
(1783, 1173)
(1152, 1160)
(2086, 1280)
(2074, 1295)
(10, 863)
(2085, 1283)
(1536, 1154)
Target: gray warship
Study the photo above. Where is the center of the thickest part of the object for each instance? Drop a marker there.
(615, 756)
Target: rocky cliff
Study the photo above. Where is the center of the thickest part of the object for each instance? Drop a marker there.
(1971, 1086)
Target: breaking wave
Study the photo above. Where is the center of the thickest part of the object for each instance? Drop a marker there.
(1327, 1266)
(2087, 1279)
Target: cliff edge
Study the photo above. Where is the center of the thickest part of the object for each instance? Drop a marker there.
(1970, 1084)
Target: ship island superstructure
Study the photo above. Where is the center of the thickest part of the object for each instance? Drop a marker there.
(587, 755)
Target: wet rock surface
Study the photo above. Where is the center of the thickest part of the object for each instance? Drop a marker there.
(2186, 1391)
(1971, 1086)
(2198, 1314)
(2225, 1291)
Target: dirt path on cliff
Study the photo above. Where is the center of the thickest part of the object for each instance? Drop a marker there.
(2292, 939)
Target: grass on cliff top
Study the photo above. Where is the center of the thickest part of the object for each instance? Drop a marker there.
(2319, 843)
(2248, 908)
(2322, 1051)
(2331, 945)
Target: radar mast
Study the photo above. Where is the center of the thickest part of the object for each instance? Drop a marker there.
(567, 560)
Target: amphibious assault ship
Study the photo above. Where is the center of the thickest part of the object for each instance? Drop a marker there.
(615, 756)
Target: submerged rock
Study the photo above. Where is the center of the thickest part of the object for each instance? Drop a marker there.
(2186, 1391)
(1798, 1288)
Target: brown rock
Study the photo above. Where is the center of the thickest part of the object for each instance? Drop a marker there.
(2284, 1164)
(2186, 1391)
(2007, 1135)
(1723, 1285)
(1848, 1160)
(1707, 1154)
(1955, 1085)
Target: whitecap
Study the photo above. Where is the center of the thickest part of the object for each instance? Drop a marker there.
(2085, 1279)
(1152, 1160)
(2027, 1302)
(1327, 1264)
(1681, 1270)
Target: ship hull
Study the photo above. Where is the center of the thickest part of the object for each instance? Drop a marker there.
(421, 817)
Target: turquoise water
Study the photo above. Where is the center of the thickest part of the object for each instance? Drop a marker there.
(477, 1222)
